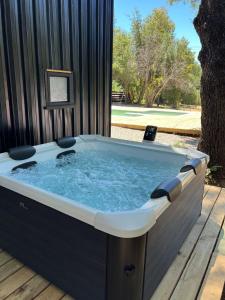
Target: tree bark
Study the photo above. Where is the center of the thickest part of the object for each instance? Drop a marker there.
(210, 26)
(141, 93)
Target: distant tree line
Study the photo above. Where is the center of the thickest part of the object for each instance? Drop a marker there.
(151, 66)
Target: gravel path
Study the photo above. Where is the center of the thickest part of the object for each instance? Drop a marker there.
(171, 139)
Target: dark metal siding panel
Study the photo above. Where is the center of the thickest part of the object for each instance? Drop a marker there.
(93, 66)
(59, 34)
(75, 62)
(42, 60)
(84, 63)
(100, 58)
(170, 231)
(53, 33)
(5, 118)
(68, 252)
(29, 67)
(55, 44)
(65, 33)
(15, 75)
(108, 65)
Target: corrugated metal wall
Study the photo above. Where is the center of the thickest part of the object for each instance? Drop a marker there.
(36, 35)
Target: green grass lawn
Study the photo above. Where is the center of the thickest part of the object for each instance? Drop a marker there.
(133, 113)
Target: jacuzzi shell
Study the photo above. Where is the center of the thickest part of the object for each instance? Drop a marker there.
(93, 254)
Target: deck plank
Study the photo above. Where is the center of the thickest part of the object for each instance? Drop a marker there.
(190, 281)
(67, 297)
(215, 277)
(9, 268)
(171, 278)
(50, 293)
(213, 286)
(4, 258)
(206, 188)
(30, 289)
(15, 281)
(220, 249)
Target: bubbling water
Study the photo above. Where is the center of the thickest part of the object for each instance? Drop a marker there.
(103, 180)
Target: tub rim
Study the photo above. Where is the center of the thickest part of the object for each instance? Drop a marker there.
(125, 224)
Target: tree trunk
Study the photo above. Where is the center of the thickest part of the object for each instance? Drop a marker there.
(141, 93)
(210, 26)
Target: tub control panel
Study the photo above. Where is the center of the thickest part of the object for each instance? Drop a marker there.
(150, 133)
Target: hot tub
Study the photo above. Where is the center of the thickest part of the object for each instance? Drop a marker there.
(107, 219)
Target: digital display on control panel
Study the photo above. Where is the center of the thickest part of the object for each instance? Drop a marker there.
(150, 133)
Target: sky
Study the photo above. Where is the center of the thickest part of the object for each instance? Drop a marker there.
(182, 15)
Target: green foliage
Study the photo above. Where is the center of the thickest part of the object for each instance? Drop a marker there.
(180, 145)
(149, 62)
(116, 87)
(211, 174)
(173, 97)
(194, 3)
(124, 63)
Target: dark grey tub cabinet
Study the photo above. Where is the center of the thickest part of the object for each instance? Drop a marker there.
(88, 263)
(42, 36)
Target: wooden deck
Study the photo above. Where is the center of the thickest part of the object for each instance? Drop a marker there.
(198, 272)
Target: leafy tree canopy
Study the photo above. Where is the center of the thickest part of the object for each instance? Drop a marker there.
(194, 3)
(149, 62)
